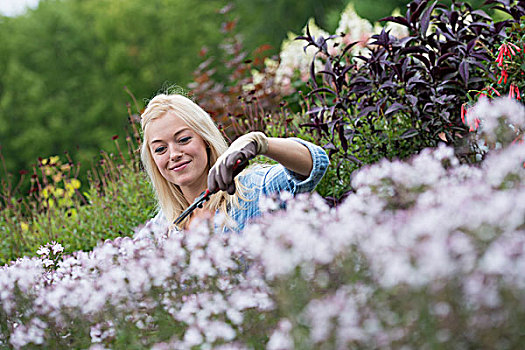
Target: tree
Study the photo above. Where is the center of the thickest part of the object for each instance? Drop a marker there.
(66, 63)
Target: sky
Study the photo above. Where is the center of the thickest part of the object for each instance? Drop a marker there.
(15, 7)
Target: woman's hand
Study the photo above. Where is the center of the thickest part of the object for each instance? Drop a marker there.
(246, 147)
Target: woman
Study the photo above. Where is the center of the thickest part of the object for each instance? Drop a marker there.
(184, 153)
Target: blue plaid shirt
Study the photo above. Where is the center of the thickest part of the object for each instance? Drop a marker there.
(263, 180)
(268, 180)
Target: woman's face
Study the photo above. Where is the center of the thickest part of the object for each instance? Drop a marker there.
(179, 152)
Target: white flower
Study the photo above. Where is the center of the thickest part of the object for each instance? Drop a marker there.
(281, 338)
(293, 57)
(47, 262)
(95, 334)
(200, 265)
(33, 333)
(395, 29)
(219, 330)
(192, 337)
(355, 29)
(43, 251)
(57, 248)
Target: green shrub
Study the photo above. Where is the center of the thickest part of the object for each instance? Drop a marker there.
(118, 198)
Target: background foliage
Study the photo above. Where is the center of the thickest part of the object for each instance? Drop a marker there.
(63, 66)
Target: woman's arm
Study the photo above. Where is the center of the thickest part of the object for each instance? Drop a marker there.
(291, 154)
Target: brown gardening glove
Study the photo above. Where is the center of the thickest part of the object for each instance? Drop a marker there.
(223, 172)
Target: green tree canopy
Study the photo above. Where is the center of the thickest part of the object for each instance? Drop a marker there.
(64, 65)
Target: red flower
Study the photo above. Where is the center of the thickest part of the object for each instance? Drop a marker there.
(514, 92)
(506, 49)
(494, 90)
(501, 55)
(503, 77)
(512, 46)
(489, 89)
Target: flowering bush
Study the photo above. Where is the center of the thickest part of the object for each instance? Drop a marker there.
(400, 95)
(295, 59)
(425, 253)
(245, 92)
(507, 77)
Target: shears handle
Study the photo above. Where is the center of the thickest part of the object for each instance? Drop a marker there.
(237, 168)
(204, 196)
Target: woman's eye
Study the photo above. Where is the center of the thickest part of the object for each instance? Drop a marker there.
(159, 149)
(185, 139)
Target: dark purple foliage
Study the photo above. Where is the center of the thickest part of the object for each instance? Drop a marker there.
(415, 85)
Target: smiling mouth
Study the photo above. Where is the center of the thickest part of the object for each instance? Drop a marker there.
(180, 166)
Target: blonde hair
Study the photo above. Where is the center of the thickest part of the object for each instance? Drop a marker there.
(170, 198)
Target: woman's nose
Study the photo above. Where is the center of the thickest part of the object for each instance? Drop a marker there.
(175, 153)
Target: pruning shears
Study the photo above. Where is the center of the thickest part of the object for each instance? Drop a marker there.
(205, 195)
